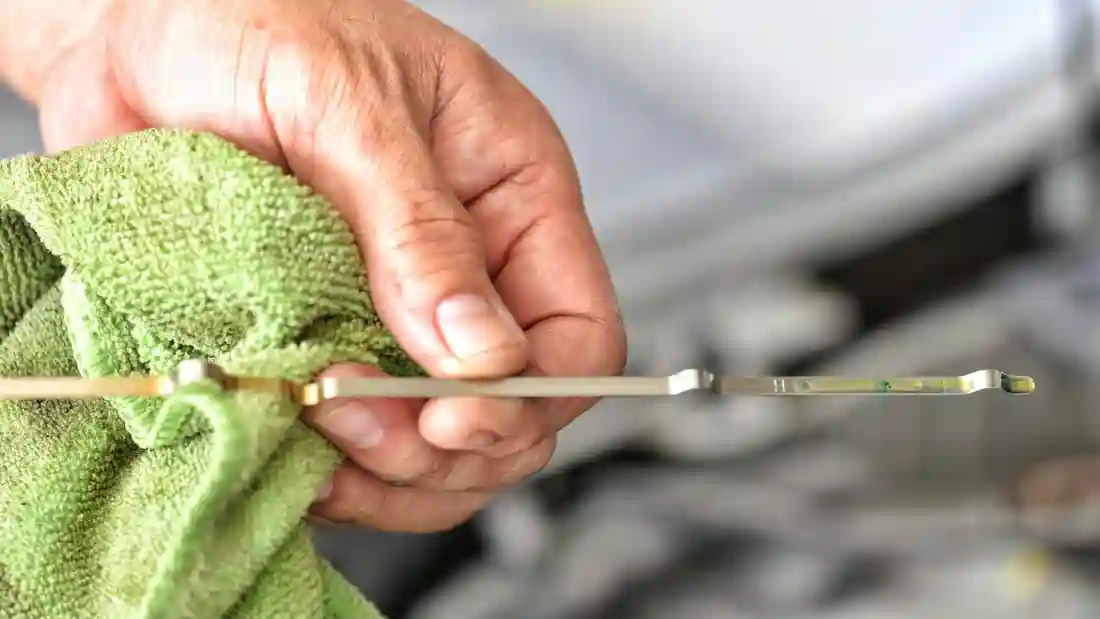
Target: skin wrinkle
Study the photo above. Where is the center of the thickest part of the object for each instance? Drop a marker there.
(610, 360)
(525, 181)
(411, 475)
(529, 230)
(278, 157)
(517, 469)
(304, 161)
(531, 319)
(438, 60)
(387, 140)
(417, 230)
(238, 72)
(511, 427)
(420, 234)
(424, 103)
(480, 97)
(456, 472)
(437, 473)
(453, 475)
(502, 174)
(382, 500)
(530, 462)
(296, 139)
(379, 69)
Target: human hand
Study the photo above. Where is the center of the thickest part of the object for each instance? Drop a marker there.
(455, 181)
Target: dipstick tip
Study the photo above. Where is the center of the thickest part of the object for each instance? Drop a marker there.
(1013, 383)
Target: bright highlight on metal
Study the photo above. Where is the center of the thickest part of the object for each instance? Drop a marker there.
(522, 387)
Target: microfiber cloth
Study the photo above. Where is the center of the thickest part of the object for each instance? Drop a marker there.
(126, 257)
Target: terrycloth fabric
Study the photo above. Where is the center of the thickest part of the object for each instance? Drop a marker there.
(127, 257)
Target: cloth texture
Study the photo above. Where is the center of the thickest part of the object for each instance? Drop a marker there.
(126, 257)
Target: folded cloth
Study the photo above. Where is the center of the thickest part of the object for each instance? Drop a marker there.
(126, 257)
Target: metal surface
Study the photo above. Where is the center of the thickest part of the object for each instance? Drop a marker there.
(980, 380)
(521, 387)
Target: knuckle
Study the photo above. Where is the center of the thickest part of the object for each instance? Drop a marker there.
(532, 431)
(473, 62)
(394, 479)
(310, 96)
(541, 455)
(464, 473)
(444, 473)
(322, 88)
(434, 246)
(467, 78)
(612, 357)
(307, 68)
(431, 220)
(401, 479)
(407, 473)
(528, 439)
(528, 463)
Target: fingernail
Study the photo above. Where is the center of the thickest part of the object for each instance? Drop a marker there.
(325, 492)
(353, 424)
(472, 326)
(481, 440)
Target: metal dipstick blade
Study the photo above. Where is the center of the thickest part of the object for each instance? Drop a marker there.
(50, 388)
(80, 388)
(974, 382)
(522, 387)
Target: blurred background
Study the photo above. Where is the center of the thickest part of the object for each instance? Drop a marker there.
(804, 187)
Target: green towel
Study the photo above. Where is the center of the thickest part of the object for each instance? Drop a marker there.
(127, 257)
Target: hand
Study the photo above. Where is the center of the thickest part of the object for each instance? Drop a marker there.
(455, 181)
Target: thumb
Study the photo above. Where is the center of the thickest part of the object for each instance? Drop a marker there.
(424, 254)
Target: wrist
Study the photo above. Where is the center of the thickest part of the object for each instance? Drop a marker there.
(34, 34)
